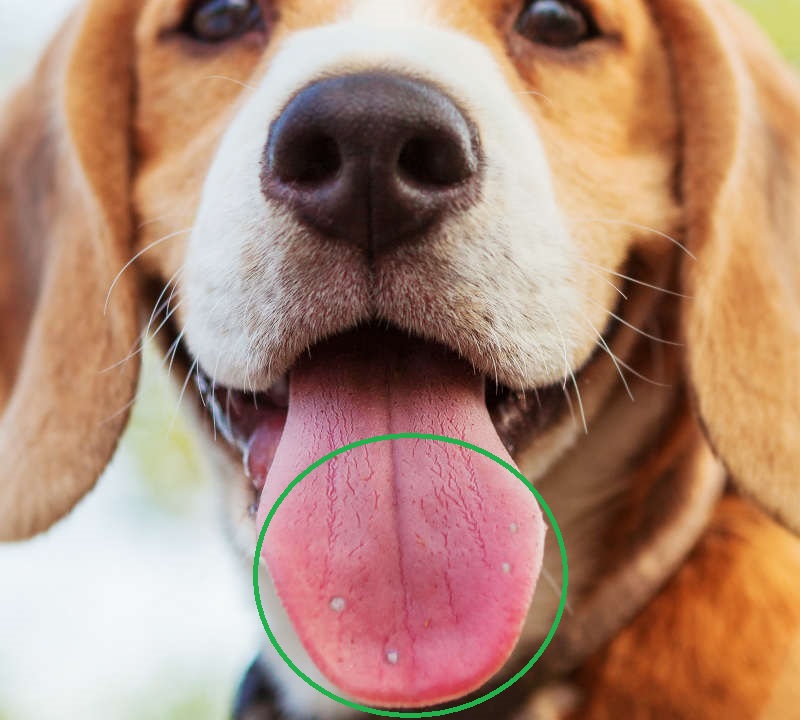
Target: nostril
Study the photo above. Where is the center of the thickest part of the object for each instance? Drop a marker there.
(311, 160)
(372, 159)
(435, 160)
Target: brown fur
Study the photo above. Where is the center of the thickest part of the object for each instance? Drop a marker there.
(741, 107)
(64, 205)
(715, 641)
(105, 152)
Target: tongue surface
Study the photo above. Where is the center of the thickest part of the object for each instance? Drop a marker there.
(406, 567)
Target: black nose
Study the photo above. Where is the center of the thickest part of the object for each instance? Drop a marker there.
(372, 159)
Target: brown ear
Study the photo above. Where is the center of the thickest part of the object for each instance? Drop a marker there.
(65, 230)
(741, 185)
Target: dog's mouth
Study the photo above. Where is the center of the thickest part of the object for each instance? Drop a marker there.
(407, 567)
(253, 421)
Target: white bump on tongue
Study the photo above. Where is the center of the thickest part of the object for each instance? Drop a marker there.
(406, 567)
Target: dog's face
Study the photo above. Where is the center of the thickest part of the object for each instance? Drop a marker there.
(417, 178)
(468, 219)
(505, 260)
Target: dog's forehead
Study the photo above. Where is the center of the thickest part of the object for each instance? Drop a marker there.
(305, 13)
(629, 35)
(462, 13)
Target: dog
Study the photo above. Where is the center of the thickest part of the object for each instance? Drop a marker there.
(568, 232)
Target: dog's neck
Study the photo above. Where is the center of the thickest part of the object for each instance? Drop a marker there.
(632, 495)
(631, 505)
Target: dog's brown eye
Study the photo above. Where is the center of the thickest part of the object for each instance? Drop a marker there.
(555, 22)
(218, 20)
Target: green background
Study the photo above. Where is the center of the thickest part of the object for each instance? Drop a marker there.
(781, 19)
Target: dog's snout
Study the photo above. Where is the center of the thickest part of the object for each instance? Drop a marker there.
(372, 159)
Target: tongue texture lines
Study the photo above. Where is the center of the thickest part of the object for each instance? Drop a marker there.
(399, 531)
(395, 561)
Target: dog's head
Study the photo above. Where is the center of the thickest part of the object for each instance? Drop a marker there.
(483, 214)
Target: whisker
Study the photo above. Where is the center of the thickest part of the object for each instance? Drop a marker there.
(537, 94)
(165, 306)
(639, 331)
(202, 395)
(228, 406)
(580, 401)
(138, 346)
(158, 308)
(613, 357)
(230, 79)
(570, 404)
(172, 351)
(599, 274)
(127, 406)
(637, 226)
(192, 368)
(166, 319)
(643, 377)
(551, 581)
(637, 281)
(136, 257)
(158, 219)
(142, 340)
(570, 373)
(214, 390)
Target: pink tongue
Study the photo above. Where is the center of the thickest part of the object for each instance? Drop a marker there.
(406, 567)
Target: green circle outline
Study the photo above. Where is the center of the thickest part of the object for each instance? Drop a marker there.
(428, 713)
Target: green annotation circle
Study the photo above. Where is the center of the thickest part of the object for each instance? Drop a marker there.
(428, 713)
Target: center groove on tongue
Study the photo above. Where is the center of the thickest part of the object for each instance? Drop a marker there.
(406, 567)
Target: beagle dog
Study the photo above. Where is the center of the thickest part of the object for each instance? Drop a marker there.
(566, 231)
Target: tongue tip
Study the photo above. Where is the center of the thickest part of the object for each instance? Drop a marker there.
(413, 671)
(434, 685)
(424, 672)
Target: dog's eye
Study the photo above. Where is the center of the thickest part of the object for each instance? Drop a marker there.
(556, 23)
(217, 20)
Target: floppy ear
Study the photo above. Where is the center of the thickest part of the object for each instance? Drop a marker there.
(740, 106)
(65, 227)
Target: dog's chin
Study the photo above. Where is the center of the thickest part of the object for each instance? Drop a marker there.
(429, 535)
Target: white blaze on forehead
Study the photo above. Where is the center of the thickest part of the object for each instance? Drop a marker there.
(390, 14)
(359, 43)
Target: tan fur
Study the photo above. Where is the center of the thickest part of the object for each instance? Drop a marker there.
(64, 206)
(716, 641)
(686, 126)
(741, 110)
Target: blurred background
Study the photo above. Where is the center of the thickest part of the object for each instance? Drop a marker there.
(134, 608)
